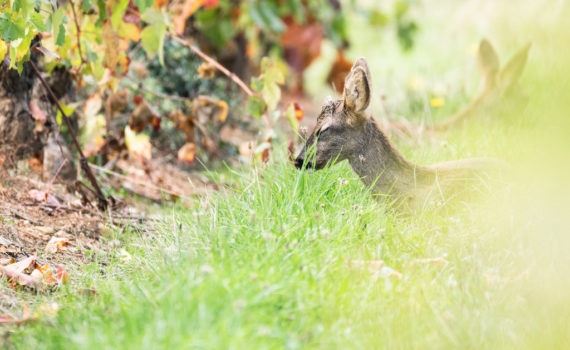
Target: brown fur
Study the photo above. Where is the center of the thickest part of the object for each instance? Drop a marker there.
(344, 131)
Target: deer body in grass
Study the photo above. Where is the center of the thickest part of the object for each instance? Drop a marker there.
(345, 131)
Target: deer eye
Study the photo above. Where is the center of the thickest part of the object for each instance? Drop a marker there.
(323, 131)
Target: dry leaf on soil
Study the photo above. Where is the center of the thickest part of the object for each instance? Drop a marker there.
(56, 244)
(39, 276)
(43, 196)
(138, 144)
(11, 320)
(187, 153)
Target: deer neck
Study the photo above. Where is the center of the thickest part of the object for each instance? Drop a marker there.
(380, 164)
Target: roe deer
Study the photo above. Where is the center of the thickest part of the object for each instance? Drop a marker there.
(345, 131)
(497, 89)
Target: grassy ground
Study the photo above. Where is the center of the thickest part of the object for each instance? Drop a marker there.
(265, 262)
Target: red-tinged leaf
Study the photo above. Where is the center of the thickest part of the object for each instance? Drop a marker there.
(339, 70)
(298, 112)
(132, 15)
(291, 151)
(262, 151)
(142, 116)
(155, 122)
(302, 43)
(6, 319)
(265, 156)
(160, 3)
(62, 275)
(36, 112)
(137, 99)
(187, 153)
(210, 3)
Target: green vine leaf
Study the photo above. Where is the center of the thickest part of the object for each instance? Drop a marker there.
(152, 36)
(255, 106)
(12, 29)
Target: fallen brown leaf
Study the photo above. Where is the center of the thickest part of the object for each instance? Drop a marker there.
(43, 196)
(25, 317)
(56, 244)
(187, 153)
(15, 273)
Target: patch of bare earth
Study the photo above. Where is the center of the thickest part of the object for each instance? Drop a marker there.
(62, 231)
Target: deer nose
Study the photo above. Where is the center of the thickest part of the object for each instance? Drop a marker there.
(299, 163)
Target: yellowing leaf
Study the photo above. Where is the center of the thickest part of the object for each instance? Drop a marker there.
(183, 10)
(271, 94)
(129, 31)
(290, 115)
(138, 144)
(3, 50)
(187, 153)
(206, 70)
(111, 45)
(223, 113)
(92, 106)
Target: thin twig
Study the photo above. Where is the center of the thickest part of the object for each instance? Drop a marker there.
(139, 86)
(83, 161)
(50, 184)
(142, 183)
(215, 63)
(78, 30)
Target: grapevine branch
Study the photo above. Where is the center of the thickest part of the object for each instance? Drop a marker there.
(103, 204)
(78, 30)
(213, 62)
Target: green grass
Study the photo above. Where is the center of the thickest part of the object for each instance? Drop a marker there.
(264, 265)
(264, 262)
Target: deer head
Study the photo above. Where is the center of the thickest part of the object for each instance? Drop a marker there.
(345, 131)
(341, 123)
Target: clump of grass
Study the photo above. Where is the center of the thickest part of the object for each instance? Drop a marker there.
(264, 264)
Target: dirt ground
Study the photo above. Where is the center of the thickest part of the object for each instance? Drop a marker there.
(53, 227)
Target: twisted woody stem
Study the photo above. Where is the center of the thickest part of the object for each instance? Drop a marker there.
(103, 203)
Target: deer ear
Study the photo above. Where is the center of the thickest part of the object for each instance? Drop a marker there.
(357, 88)
(488, 62)
(513, 69)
